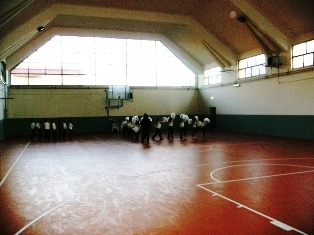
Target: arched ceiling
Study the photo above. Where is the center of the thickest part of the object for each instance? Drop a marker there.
(199, 29)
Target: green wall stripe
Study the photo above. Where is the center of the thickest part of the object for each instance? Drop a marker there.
(295, 126)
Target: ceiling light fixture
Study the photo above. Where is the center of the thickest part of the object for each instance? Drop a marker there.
(41, 28)
(242, 19)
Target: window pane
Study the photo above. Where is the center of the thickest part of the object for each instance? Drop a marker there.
(248, 72)
(242, 64)
(242, 73)
(310, 46)
(255, 71)
(205, 81)
(299, 49)
(308, 59)
(297, 62)
(53, 80)
(35, 79)
(17, 79)
(251, 61)
(260, 59)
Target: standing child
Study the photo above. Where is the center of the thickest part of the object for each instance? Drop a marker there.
(194, 125)
(157, 129)
(54, 129)
(39, 126)
(60, 128)
(136, 129)
(203, 125)
(170, 126)
(32, 129)
(47, 130)
(182, 128)
(70, 129)
(64, 128)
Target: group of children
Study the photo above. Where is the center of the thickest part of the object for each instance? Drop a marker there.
(132, 128)
(45, 129)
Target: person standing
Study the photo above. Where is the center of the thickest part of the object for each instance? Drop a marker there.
(146, 124)
(60, 128)
(39, 126)
(182, 128)
(32, 129)
(194, 125)
(54, 129)
(157, 129)
(170, 128)
(47, 130)
(70, 129)
(64, 128)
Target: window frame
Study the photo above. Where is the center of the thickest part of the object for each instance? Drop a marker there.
(248, 67)
(298, 58)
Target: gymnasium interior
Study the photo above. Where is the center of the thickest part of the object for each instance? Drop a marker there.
(246, 65)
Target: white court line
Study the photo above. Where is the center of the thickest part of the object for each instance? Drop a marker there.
(239, 205)
(255, 160)
(14, 164)
(262, 164)
(39, 217)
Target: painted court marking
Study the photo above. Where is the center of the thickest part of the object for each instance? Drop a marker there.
(239, 205)
(261, 164)
(7, 174)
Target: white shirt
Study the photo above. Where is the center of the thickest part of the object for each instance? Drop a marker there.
(70, 126)
(32, 125)
(47, 125)
(158, 125)
(54, 126)
(64, 125)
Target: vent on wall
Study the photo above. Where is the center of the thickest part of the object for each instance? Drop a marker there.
(273, 61)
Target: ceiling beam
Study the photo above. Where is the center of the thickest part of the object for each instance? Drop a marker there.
(264, 25)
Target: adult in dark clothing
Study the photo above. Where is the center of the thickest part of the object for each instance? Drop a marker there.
(146, 125)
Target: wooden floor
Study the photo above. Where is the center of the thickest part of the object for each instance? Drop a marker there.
(107, 184)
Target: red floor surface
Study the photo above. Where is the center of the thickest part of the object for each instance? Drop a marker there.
(108, 184)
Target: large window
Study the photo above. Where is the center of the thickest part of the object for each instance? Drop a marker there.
(212, 76)
(71, 60)
(252, 66)
(303, 54)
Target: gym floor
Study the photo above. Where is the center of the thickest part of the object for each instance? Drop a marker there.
(225, 183)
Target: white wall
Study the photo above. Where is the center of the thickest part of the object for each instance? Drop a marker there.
(288, 95)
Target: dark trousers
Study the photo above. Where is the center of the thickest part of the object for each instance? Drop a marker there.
(54, 134)
(194, 131)
(170, 132)
(40, 133)
(64, 133)
(203, 130)
(182, 132)
(145, 134)
(157, 132)
(125, 130)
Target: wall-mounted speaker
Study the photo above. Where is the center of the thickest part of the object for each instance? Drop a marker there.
(273, 61)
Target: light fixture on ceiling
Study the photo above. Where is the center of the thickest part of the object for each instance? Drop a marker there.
(242, 19)
(41, 28)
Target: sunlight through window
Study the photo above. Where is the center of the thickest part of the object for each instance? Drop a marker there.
(71, 60)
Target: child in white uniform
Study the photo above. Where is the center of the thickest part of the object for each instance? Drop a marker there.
(157, 129)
